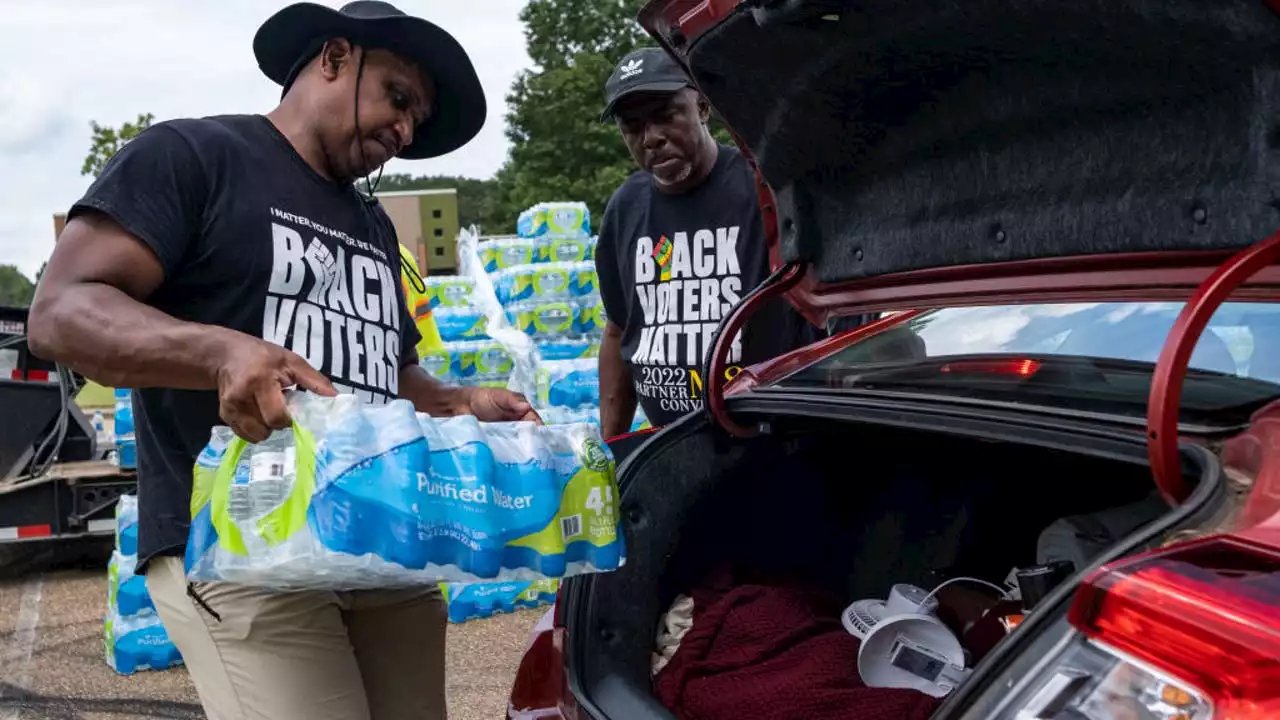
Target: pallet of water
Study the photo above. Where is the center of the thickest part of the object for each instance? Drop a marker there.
(134, 639)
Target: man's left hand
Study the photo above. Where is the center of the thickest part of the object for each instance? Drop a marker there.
(497, 404)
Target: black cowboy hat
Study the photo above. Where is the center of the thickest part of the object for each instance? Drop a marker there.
(292, 37)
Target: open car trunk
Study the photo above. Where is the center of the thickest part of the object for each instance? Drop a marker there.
(904, 145)
(845, 510)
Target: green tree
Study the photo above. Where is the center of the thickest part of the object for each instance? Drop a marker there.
(15, 289)
(107, 141)
(559, 148)
(558, 31)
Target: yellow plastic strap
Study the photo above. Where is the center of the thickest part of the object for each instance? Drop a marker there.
(203, 482)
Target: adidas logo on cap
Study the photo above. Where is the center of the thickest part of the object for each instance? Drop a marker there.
(631, 68)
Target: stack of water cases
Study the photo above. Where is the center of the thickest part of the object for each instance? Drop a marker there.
(132, 634)
(541, 282)
(544, 280)
(126, 455)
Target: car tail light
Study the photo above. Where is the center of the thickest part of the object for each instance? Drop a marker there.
(1189, 632)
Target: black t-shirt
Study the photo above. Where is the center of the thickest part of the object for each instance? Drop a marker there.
(253, 239)
(672, 266)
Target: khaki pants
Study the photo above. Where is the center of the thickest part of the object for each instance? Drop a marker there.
(308, 655)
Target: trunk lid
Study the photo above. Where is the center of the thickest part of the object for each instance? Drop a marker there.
(990, 141)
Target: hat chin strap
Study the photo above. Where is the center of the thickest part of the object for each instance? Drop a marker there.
(372, 185)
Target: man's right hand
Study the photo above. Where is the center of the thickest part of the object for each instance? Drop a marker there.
(252, 377)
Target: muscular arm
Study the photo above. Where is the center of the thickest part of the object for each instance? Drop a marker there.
(88, 314)
(617, 393)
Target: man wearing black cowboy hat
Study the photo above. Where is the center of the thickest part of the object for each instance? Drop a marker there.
(217, 262)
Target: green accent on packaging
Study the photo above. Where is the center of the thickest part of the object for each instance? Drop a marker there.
(551, 281)
(480, 328)
(436, 362)
(568, 250)
(493, 360)
(563, 220)
(594, 495)
(203, 481)
(113, 583)
(586, 280)
(551, 318)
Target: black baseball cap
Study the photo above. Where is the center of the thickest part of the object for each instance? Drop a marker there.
(647, 70)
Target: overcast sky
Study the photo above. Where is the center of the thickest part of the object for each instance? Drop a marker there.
(72, 61)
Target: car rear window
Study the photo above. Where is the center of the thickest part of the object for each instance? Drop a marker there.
(1086, 356)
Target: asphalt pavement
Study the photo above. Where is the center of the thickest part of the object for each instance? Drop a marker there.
(52, 599)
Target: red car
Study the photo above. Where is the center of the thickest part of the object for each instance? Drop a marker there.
(1074, 204)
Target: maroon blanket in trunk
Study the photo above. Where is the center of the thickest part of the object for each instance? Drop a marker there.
(774, 652)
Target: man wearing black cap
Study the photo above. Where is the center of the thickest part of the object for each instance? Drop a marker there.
(680, 244)
(217, 262)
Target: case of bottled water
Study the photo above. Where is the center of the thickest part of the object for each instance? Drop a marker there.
(472, 601)
(378, 496)
(134, 639)
(138, 642)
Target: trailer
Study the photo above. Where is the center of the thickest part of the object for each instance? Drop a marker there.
(57, 481)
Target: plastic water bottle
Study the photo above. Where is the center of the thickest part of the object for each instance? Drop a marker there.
(124, 413)
(126, 450)
(239, 506)
(272, 468)
(100, 427)
(493, 364)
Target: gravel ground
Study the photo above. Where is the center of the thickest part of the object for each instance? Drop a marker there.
(51, 606)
